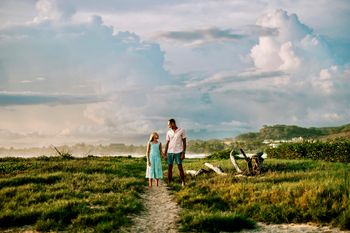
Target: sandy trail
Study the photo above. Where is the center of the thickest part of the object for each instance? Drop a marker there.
(161, 212)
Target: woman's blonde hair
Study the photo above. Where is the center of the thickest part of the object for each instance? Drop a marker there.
(151, 137)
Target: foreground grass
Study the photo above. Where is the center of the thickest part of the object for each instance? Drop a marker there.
(289, 191)
(55, 194)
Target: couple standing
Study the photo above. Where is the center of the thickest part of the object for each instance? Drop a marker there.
(175, 149)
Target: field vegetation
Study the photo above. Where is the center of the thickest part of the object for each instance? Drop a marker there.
(69, 194)
(332, 150)
(99, 194)
(289, 191)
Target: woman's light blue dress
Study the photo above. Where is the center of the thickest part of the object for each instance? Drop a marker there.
(155, 170)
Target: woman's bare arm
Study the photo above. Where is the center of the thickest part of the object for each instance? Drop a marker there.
(147, 154)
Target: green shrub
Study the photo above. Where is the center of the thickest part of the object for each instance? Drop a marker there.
(216, 222)
(332, 151)
(222, 154)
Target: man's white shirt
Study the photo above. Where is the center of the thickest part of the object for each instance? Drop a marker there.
(175, 140)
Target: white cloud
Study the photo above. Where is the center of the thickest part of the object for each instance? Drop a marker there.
(288, 57)
(53, 10)
(77, 55)
(294, 44)
(121, 86)
(324, 81)
(295, 74)
(77, 64)
(265, 54)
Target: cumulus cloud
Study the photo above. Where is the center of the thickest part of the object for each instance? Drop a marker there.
(116, 85)
(54, 10)
(305, 56)
(295, 74)
(88, 64)
(295, 44)
(82, 58)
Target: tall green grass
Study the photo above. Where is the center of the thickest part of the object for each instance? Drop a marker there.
(289, 191)
(98, 194)
(58, 194)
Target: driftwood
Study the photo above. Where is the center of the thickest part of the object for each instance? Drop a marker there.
(58, 152)
(218, 170)
(196, 173)
(65, 155)
(254, 163)
(254, 166)
(233, 160)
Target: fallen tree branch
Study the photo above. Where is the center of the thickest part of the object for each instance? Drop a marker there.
(218, 170)
(254, 166)
(58, 152)
(254, 163)
(196, 173)
(233, 160)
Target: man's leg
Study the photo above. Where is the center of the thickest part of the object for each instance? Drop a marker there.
(182, 174)
(179, 165)
(170, 173)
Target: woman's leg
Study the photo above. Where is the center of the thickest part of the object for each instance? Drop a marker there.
(157, 182)
(150, 182)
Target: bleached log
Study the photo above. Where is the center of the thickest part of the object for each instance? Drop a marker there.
(196, 173)
(218, 170)
(233, 160)
(191, 172)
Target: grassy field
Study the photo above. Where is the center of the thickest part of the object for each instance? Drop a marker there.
(98, 194)
(289, 191)
(56, 194)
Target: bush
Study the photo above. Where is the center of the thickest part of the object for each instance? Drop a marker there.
(223, 154)
(332, 151)
(216, 222)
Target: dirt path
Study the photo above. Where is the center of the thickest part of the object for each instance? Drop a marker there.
(160, 215)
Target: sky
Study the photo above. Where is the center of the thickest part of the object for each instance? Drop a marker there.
(113, 71)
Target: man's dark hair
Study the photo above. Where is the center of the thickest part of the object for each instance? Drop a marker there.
(172, 121)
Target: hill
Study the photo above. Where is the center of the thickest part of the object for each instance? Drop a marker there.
(287, 132)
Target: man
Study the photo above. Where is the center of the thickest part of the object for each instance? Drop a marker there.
(175, 149)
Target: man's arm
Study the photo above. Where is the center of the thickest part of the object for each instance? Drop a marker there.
(166, 150)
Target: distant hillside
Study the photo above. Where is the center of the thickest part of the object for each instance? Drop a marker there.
(287, 132)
